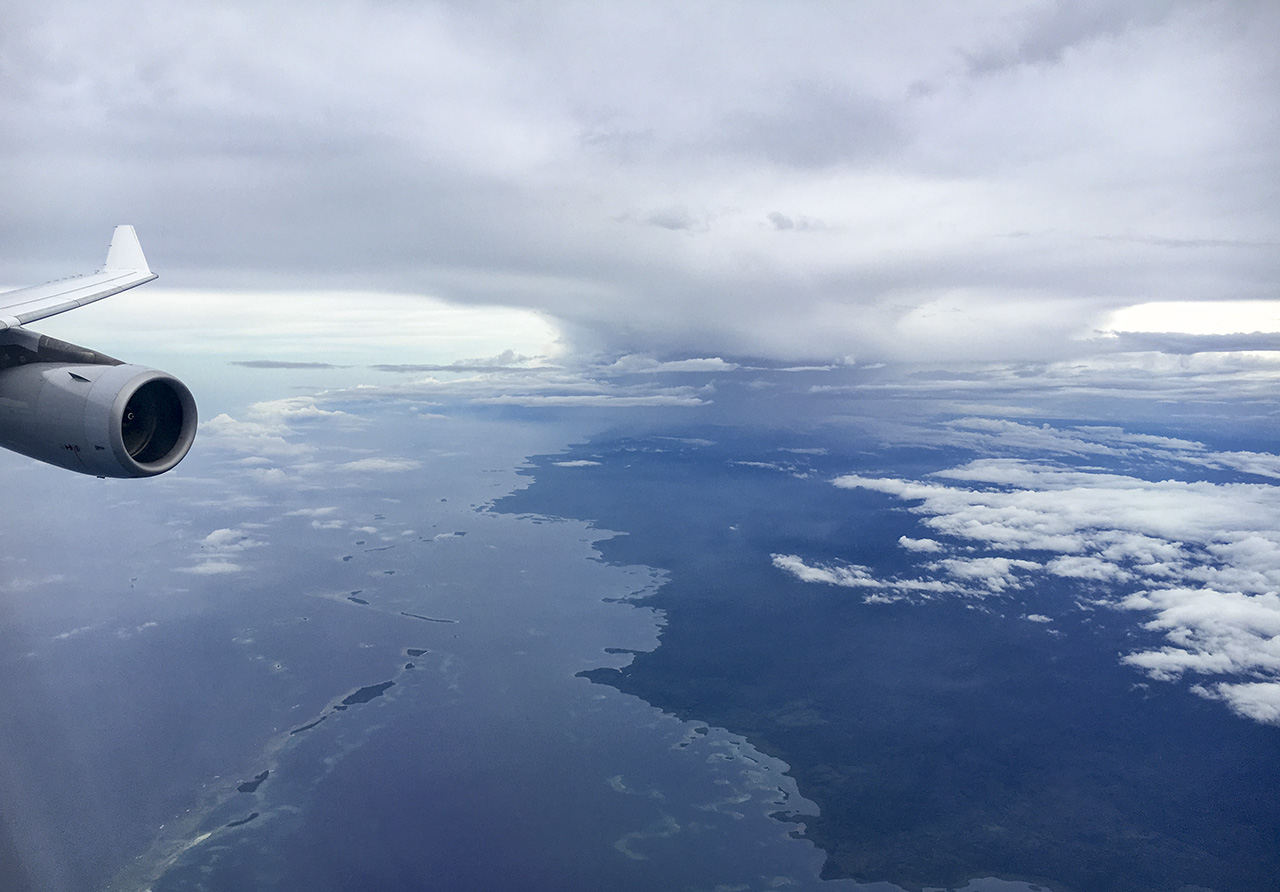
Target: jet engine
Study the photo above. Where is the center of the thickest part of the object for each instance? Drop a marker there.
(79, 409)
(96, 415)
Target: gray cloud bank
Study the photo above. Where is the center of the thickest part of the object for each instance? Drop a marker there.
(783, 180)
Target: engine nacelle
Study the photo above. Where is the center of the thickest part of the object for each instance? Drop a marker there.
(113, 420)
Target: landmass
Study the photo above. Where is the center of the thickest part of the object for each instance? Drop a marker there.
(308, 726)
(367, 693)
(252, 786)
(430, 619)
(941, 743)
(243, 821)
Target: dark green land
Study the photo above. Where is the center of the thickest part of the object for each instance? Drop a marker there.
(308, 726)
(430, 619)
(252, 786)
(942, 741)
(367, 693)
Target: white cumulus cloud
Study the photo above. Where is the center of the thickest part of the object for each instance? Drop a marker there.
(380, 465)
(1198, 560)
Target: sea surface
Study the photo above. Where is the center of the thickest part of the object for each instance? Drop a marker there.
(372, 642)
(342, 681)
(488, 758)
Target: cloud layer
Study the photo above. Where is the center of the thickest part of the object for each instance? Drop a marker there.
(1198, 561)
(780, 180)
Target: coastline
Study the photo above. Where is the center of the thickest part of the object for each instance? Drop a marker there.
(941, 743)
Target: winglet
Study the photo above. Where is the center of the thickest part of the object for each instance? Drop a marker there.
(125, 251)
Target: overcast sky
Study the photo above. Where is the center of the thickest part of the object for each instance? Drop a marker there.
(782, 180)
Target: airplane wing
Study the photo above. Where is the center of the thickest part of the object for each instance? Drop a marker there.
(126, 268)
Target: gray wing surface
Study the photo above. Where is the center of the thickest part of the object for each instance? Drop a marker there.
(126, 268)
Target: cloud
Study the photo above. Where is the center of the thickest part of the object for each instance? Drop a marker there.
(1198, 318)
(676, 218)
(1075, 512)
(578, 463)
(1211, 632)
(272, 429)
(634, 363)
(1258, 700)
(1199, 560)
(583, 384)
(506, 361)
(1086, 567)
(993, 573)
(594, 399)
(850, 575)
(785, 223)
(252, 437)
(228, 540)
(929, 546)
(269, 476)
(71, 633)
(1142, 342)
(980, 182)
(1110, 385)
(220, 552)
(212, 567)
(293, 410)
(855, 576)
(24, 584)
(283, 364)
(380, 465)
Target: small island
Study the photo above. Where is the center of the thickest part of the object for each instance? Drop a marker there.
(367, 693)
(252, 786)
(430, 619)
(308, 726)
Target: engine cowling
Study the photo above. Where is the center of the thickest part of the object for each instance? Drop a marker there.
(107, 420)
